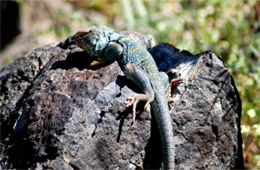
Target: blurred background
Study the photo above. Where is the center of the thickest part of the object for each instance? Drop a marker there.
(229, 28)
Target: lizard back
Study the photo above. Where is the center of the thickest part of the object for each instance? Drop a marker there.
(136, 54)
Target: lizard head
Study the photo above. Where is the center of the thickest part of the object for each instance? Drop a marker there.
(93, 40)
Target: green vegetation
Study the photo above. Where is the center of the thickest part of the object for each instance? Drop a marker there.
(229, 28)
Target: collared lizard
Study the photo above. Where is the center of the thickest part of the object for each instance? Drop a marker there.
(106, 46)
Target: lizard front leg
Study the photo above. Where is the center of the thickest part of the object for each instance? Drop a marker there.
(110, 54)
(139, 77)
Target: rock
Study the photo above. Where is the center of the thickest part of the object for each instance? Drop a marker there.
(57, 113)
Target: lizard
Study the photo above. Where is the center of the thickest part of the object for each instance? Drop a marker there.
(106, 46)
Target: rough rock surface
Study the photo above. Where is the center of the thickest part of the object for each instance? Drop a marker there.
(57, 113)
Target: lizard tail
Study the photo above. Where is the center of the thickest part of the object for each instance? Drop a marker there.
(164, 123)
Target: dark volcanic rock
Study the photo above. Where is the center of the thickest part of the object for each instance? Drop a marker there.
(57, 113)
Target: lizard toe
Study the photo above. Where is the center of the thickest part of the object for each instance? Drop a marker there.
(147, 104)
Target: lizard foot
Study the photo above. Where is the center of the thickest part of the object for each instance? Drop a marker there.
(172, 87)
(175, 81)
(132, 101)
(96, 63)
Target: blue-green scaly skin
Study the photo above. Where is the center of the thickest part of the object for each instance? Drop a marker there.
(133, 52)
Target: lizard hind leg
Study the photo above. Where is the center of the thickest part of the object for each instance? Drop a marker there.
(140, 78)
(171, 88)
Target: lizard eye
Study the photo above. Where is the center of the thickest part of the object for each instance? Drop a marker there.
(80, 35)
